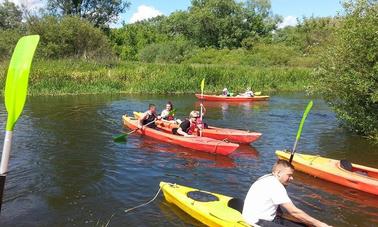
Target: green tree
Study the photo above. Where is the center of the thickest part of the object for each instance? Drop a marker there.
(10, 15)
(99, 12)
(69, 37)
(348, 74)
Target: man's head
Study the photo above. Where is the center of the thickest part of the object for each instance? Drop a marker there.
(283, 170)
(152, 108)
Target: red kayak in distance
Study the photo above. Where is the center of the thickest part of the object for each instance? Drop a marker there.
(231, 135)
(231, 98)
(196, 143)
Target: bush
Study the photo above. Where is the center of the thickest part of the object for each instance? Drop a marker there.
(69, 37)
(174, 51)
(348, 74)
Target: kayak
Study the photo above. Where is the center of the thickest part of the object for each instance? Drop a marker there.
(197, 143)
(232, 135)
(209, 208)
(231, 98)
(340, 172)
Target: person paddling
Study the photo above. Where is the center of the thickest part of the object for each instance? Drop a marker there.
(268, 193)
(168, 113)
(225, 92)
(189, 126)
(148, 117)
(248, 93)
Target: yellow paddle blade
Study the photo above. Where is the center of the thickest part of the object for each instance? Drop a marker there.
(202, 85)
(16, 85)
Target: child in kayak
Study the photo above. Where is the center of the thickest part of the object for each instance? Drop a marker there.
(189, 126)
(148, 117)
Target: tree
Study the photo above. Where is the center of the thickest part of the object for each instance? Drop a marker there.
(69, 37)
(99, 12)
(10, 15)
(348, 74)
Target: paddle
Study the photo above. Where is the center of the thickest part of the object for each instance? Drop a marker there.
(202, 88)
(308, 108)
(123, 137)
(16, 87)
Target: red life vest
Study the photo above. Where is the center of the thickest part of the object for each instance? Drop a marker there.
(192, 128)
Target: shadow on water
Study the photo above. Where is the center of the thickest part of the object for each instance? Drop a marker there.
(65, 170)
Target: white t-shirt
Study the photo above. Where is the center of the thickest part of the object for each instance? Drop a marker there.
(263, 198)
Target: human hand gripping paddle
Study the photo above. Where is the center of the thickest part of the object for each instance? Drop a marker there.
(123, 137)
(16, 87)
(308, 108)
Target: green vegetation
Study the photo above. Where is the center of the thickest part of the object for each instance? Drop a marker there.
(348, 74)
(230, 42)
(77, 77)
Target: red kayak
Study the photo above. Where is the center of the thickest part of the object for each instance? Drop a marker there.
(232, 135)
(196, 143)
(231, 98)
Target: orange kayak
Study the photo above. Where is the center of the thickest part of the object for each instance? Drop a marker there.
(231, 98)
(340, 172)
(196, 143)
(232, 135)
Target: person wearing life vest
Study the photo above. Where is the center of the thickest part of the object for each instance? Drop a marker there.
(248, 93)
(148, 117)
(225, 92)
(168, 113)
(189, 126)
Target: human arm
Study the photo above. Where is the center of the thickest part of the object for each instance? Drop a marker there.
(203, 109)
(182, 128)
(301, 216)
(141, 119)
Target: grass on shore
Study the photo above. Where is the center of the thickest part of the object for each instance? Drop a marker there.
(57, 77)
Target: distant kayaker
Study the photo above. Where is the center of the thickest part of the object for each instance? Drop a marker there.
(248, 93)
(268, 193)
(225, 92)
(148, 117)
(168, 113)
(189, 126)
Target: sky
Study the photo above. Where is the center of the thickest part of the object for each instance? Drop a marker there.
(289, 9)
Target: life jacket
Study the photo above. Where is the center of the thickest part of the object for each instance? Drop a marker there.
(150, 118)
(192, 128)
(170, 118)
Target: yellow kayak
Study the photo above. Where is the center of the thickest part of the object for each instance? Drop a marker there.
(209, 208)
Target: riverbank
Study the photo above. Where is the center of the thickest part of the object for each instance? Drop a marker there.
(58, 77)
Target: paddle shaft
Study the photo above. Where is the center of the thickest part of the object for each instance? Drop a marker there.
(305, 113)
(6, 152)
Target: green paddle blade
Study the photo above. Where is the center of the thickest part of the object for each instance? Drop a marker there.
(120, 138)
(202, 85)
(308, 108)
(172, 112)
(17, 78)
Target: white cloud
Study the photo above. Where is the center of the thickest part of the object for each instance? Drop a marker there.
(29, 4)
(288, 21)
(144, 12)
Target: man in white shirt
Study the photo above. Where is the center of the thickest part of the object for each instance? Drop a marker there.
(269, 192)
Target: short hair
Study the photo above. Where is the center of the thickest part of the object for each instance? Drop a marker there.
(283, 163)
(151, 105)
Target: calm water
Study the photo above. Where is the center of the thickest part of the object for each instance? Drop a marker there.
(65, 170)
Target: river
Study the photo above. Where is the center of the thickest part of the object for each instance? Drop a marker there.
(65, 170)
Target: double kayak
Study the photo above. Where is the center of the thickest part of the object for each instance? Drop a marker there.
(231, 98)
(209, 208)
(337, 171)
(196, 143)
(232, 135)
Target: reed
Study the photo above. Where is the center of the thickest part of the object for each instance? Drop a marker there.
(69, 76)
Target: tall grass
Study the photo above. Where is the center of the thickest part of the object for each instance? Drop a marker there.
(56, 77)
